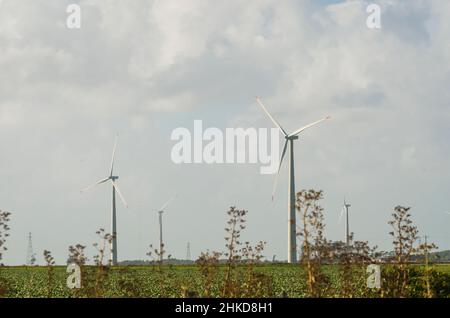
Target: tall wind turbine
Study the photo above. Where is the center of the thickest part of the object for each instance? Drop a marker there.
(292, 238)
(115, 188)
(160, 212)
(347, 226)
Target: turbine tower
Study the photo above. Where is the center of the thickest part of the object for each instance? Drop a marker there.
(347, 226)
(161, 244)
(292, 237)
(31, 256)
(115, 188)
(188, 251)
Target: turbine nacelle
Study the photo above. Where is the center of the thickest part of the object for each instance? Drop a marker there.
(112, 178)
(288, 137)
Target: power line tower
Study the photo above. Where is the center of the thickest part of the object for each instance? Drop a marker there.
(188, 251)
(31, 256)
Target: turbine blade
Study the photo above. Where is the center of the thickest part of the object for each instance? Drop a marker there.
(295, 133)
(120, 193)
(167, 203)
(270, 116)
(112, 157)
(93, 185)
(279, 167)
(340, 216)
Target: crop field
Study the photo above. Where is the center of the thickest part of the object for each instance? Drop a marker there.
(326, 269)
(271, 280)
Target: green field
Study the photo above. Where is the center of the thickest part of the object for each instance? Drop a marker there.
(272, 280)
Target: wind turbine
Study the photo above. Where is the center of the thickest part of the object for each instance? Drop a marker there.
(347, 227)
(115, 188)
(160, 212)
(292, 238)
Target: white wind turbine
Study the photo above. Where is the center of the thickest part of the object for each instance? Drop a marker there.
(115, 188)
(160, 212)
(347, 226)
(292, 239)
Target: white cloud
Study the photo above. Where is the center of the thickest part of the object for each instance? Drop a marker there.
(145, 67)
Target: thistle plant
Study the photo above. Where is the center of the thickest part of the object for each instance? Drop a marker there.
(404, 235)
(314, 247)
(425, 249)
(50, 262)
(101, 270)
(351, 261)
(76, 255)
(4, 229)
(208, 263)
(234, 227)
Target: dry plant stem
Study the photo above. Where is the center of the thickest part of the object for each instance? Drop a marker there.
(101, 272)
(209, 267)
(314, 246)
(159, 261)
(4, 229)
(50, 274)
(404, 235)
(235, 225)
(425, 248)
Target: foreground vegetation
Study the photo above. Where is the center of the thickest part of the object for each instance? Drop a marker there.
(326, 269)
(270, 280)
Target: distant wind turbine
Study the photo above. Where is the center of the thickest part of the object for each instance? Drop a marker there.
(347, 226)
(115, 188)
(292, 238)
(161, 211)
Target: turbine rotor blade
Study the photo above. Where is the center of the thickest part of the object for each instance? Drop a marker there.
(93, 185)
(112, 157)
(279, 167)
(120, 193)
(340, 216)
(270, 116)
(295, 133)
(167, 203)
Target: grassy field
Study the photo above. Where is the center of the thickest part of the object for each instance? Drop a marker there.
(280, 280)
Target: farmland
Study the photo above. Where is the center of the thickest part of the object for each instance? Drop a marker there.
(327, 269)
(266, 280)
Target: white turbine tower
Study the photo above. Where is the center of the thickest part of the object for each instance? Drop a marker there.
(160, 212)
(115, 188)
(347, 226)
(292, 238)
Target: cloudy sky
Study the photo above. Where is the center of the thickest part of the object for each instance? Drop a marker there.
(143, 68)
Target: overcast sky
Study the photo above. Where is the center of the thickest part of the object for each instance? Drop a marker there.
(143, 68)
